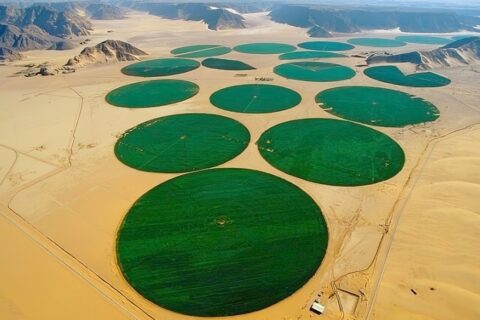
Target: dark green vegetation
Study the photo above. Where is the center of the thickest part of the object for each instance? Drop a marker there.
(314, 71)
(152, 93)
(255, 98)
(326, 46)
(423, 39)
(332, 152)
(377, 42)
(182, 143)
(310, 55)
(392, 74)
(377, 106)
(200, 51)
(160, 67)
(225, 64)
(221, 242)
(265, 48)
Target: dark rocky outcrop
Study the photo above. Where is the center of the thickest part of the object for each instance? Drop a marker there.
(7, 54)
(27, 38)
(319, 32)
(62, 45)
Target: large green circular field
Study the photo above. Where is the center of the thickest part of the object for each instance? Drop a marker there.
(200, 51)
(160, 67)
(152, 93)
(314, 71)
(424, 39)
(265, 48)
(255, 98)
(326, 46)
(393, 75)
(182, 143)
(377, 42)
(332, 152)
(221, 242)
(377, 106)
(226, 64)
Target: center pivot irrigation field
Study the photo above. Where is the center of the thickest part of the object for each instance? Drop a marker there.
(222, 242)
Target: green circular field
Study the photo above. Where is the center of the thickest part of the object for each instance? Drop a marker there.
(377, 42)
(160, 67)
(221, 242)
(310, 55)
(314, 71)
(326, 46)
(201, 51)
(377, 106)
(225, 64)
(152, 93)
(265, 48)
(332, 152)
(393, 75)
(423, 39)
(182, 143)
(255, 98)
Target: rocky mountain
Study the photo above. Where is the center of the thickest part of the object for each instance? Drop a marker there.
(105, 52)
(100, 11)
(27, 38)
(349, 20)
(458, 53)
(7, 54)
(215, 17)
(319, 32)
(62, 45)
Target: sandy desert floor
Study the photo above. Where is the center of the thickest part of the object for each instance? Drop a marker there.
(63, 194)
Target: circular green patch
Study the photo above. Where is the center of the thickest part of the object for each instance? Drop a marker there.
(423, 39)
(265, 48)
(377, 106)
(225, 64)
(201, 51)
(392, 74)
(160, 67)
(152, 93)
(332, 152)
(182, 143)
(255, 98)
(314, 71)
(221, 242)
(326, 46)
(310, 55)
(377, 42)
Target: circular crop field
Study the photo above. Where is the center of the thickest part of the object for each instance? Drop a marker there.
(393, 75)
(225, 64)
(377, 106)
(423, 39)
(265, 48)
(161, 67)
(255, 98)
(332, 152)
(152, 93)
(314, 71)
(200, 51)
(182, 143)
(377, 42)
(310, 55)
(221, 242)
(326, 46)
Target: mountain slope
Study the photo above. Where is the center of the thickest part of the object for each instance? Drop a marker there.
(7, 54)
(100, 11)
(28, 38)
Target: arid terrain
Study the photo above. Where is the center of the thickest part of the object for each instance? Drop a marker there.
(63, 193)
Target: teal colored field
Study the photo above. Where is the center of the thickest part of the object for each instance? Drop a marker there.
(314, 71)
(326, 46)
(221, 242)
(265, 48)
(152, 93)
(331, 152)
(393, 75)
(182, 143)
(201, 51)
(255, 98)
(160, 67)
(377, 106)
(226, 64)
(377, 42)
(424, 39)
(310, 55)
